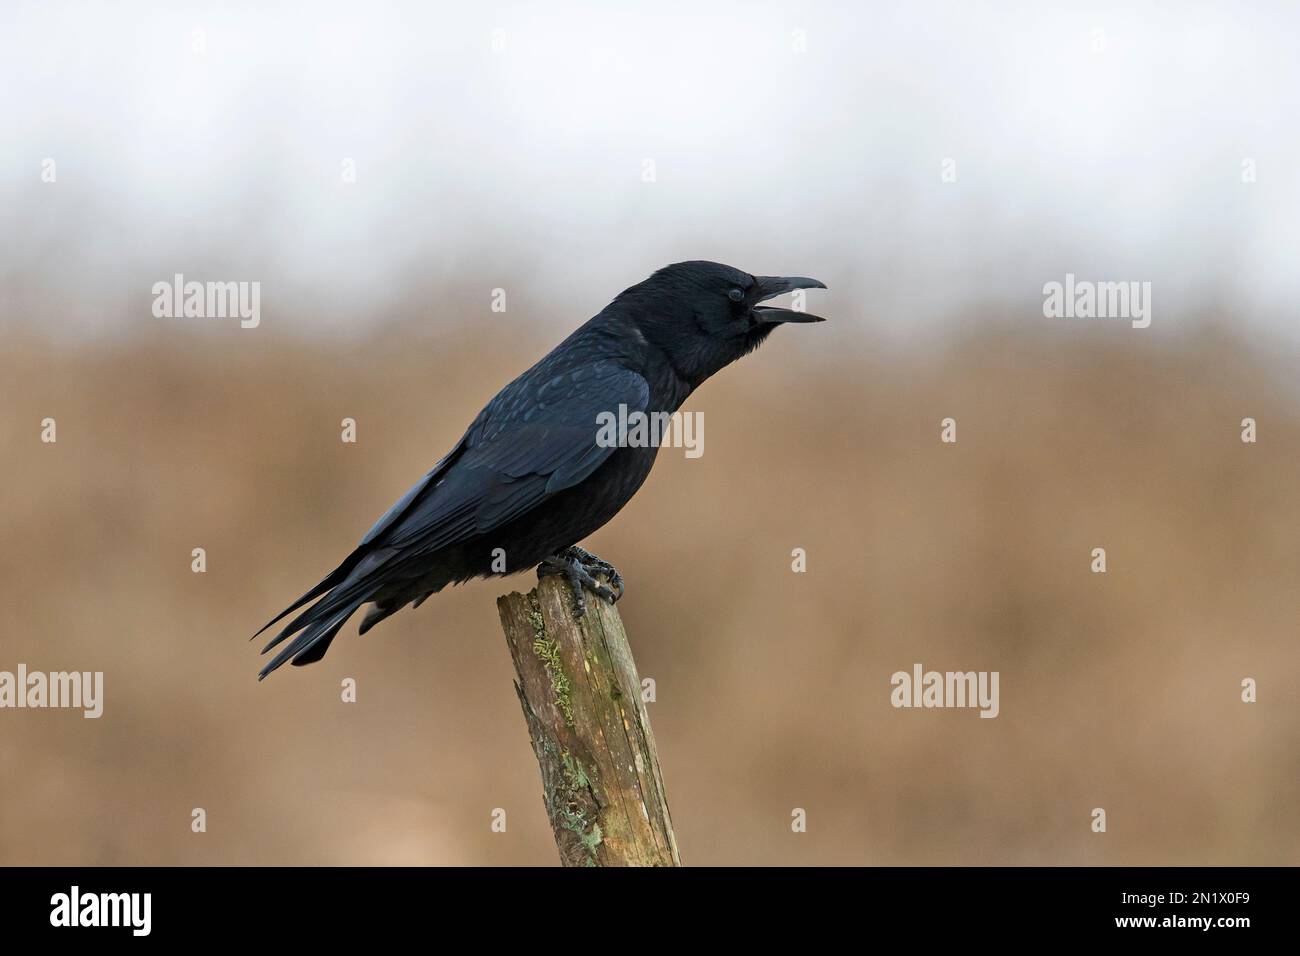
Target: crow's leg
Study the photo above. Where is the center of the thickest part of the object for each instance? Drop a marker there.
(579, 573)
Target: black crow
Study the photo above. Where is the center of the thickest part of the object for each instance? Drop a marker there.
(533, 475)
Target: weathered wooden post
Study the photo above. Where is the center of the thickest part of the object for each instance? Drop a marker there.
(591, 735)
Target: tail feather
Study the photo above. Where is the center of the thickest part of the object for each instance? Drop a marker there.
(350, 586)
(380, 611)
(375, 614)
(314, 641)
(331, 580)
(324, 607)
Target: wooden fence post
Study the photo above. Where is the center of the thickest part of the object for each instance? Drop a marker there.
(591, 735)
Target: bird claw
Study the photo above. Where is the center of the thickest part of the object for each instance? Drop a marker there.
(580, 567)
(594, 565)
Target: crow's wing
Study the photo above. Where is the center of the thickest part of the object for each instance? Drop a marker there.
(537, 437)
(534, 439)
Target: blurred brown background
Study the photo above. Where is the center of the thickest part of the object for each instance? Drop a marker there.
(1118, 690)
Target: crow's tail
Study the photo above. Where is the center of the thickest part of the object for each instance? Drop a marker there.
(311, 645)
(344, 590)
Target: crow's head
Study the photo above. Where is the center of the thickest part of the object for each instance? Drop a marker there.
(705, 315)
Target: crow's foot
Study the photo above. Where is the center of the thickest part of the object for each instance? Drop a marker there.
(595, 565)
(580, 567)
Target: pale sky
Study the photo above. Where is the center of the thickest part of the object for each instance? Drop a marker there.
(511, 140)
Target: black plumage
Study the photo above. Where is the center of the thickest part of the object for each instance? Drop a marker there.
(529, 476)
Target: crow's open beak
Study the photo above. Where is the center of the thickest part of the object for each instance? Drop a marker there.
(771, 286)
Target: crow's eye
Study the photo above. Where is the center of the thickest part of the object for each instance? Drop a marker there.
(735, 295)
